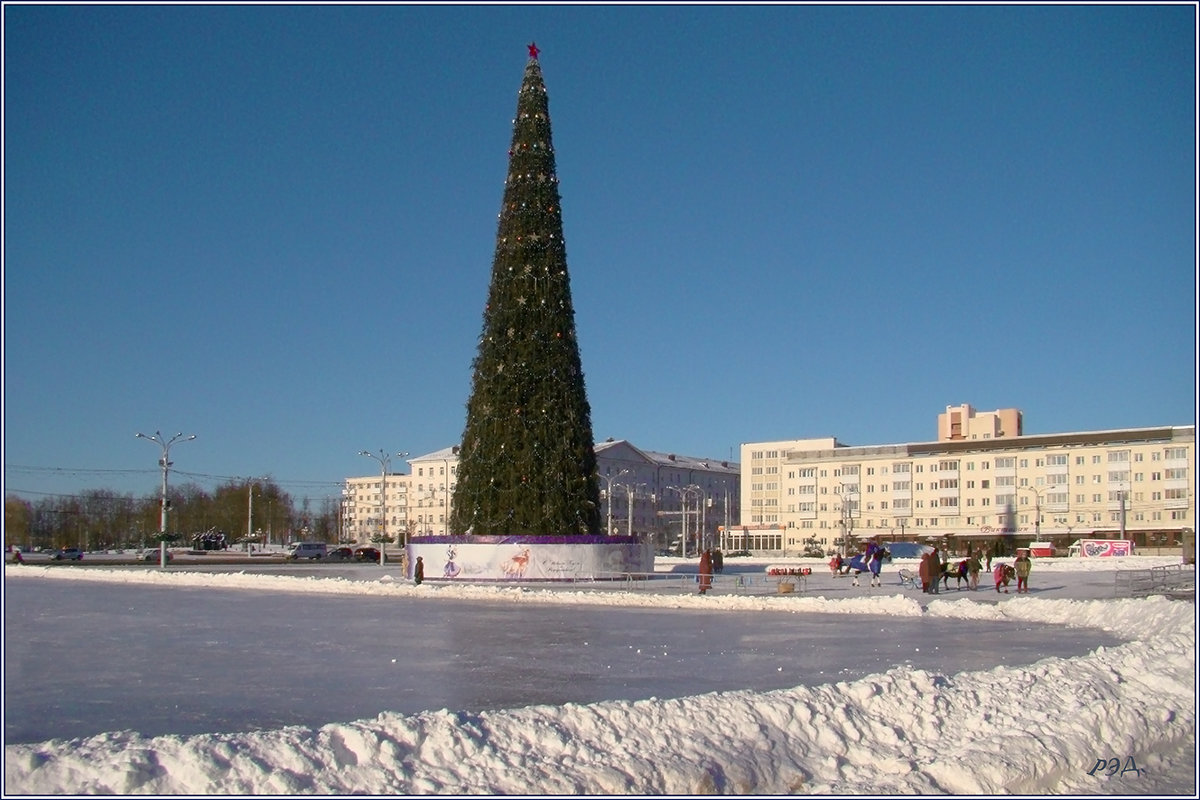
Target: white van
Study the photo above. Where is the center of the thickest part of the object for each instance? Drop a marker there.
(307, 550)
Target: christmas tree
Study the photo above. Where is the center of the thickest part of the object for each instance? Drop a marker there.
(527, 463)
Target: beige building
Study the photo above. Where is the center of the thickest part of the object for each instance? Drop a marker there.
(362, 502)
(964, 422)
(981, 482)
(643, 493)
(433, 479)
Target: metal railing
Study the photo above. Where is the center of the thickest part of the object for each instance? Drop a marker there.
(736, 583)
(1174, 580)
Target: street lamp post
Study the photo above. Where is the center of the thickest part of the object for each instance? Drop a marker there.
(384, 459)
(683, 497)
(608, 493)
(847, 520)
(1037, 513)
(165, 463)
(250, 513)
(630, 493)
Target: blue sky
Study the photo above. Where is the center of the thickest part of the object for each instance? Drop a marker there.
(273, 226)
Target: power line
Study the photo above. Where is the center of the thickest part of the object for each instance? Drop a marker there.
(79, 472)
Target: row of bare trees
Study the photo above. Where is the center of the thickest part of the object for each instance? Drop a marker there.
(101, 519)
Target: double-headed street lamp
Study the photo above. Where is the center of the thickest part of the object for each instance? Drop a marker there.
(608, 494)
(630, 493)
(385, 460)
(684, 491)
(1037, 511)
(165, 463)
(847, 518)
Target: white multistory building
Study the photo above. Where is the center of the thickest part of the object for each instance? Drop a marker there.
(982, 482)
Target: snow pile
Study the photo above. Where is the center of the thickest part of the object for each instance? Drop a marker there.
(1032, 730)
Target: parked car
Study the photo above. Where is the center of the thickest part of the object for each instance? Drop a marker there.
(152, 555)
(68, 554)
(738, 554)
(340, 554)
(366, 554)
(310, 550)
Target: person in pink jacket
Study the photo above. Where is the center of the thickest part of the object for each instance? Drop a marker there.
(1003, 574)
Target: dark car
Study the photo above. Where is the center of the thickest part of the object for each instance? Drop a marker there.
(339, 554)
(738, 554)
(68, 554)
(366, 554)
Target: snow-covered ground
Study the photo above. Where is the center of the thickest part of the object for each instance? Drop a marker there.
(1118, 720)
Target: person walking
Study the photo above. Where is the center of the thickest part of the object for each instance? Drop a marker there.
(989, 558)
(706, 569)
(1022, 565)
(936, 571)
(973, 567)
(419, 571)
(17, 559)
(924, 570)
(718, 562)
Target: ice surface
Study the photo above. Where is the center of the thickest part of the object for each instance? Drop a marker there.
(1015, 729)
(96, 657)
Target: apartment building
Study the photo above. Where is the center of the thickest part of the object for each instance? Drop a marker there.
(983, 481)
(642, 492)
(433, 482)
(372, 506)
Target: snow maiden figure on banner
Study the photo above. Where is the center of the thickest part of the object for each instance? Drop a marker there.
(451, 570)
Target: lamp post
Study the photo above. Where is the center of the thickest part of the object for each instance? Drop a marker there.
(630, 493)
(683, 495)
(608, 494)
(847, 520)
(384, 459)
(165, 463)
(437, 507)
(1037, 513)
(250, 514)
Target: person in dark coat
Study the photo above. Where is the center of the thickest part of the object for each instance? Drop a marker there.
(706, 569)
(419, 571)
(718, 562)
(925, 571)
(936, 571)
